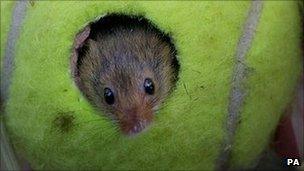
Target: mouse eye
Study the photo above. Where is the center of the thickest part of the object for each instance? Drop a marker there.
(109, 96)
(149, 86)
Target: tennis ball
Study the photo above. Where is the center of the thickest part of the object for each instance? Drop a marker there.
(239, 64)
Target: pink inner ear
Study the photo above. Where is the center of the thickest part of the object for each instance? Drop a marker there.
(79, 40)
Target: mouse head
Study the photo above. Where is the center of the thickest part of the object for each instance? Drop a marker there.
(132, 100)
(127, 73)
(130, 80)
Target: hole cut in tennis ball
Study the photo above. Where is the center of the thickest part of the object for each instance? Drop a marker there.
(104, 24)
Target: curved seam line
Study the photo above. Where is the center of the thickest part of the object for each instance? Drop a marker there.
(19, 11)
(9, 56)
(237, 92)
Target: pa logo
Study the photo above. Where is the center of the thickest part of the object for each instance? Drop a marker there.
(293, 162)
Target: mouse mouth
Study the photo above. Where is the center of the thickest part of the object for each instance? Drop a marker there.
(137, 128)
(134, 128)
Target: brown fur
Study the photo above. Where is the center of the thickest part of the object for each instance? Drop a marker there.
(121, 61)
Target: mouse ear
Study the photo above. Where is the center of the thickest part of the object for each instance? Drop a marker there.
(81, 37)
(79, 42)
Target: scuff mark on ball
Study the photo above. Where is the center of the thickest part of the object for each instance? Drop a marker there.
(64, 121)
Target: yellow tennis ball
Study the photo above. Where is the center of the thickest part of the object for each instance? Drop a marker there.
(239, 64)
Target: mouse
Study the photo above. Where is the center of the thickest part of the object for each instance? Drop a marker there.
(127, 69)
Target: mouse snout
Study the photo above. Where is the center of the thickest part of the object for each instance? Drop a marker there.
(135, 120)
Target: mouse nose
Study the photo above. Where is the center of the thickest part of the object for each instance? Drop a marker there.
(134, 121)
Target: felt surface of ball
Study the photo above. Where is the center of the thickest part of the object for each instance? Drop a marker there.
(53, 125)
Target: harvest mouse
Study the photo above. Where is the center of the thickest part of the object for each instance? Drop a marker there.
(127, 67)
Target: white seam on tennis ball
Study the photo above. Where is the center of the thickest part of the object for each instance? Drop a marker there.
(237, 93)
(7, 154)
(13, 35)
